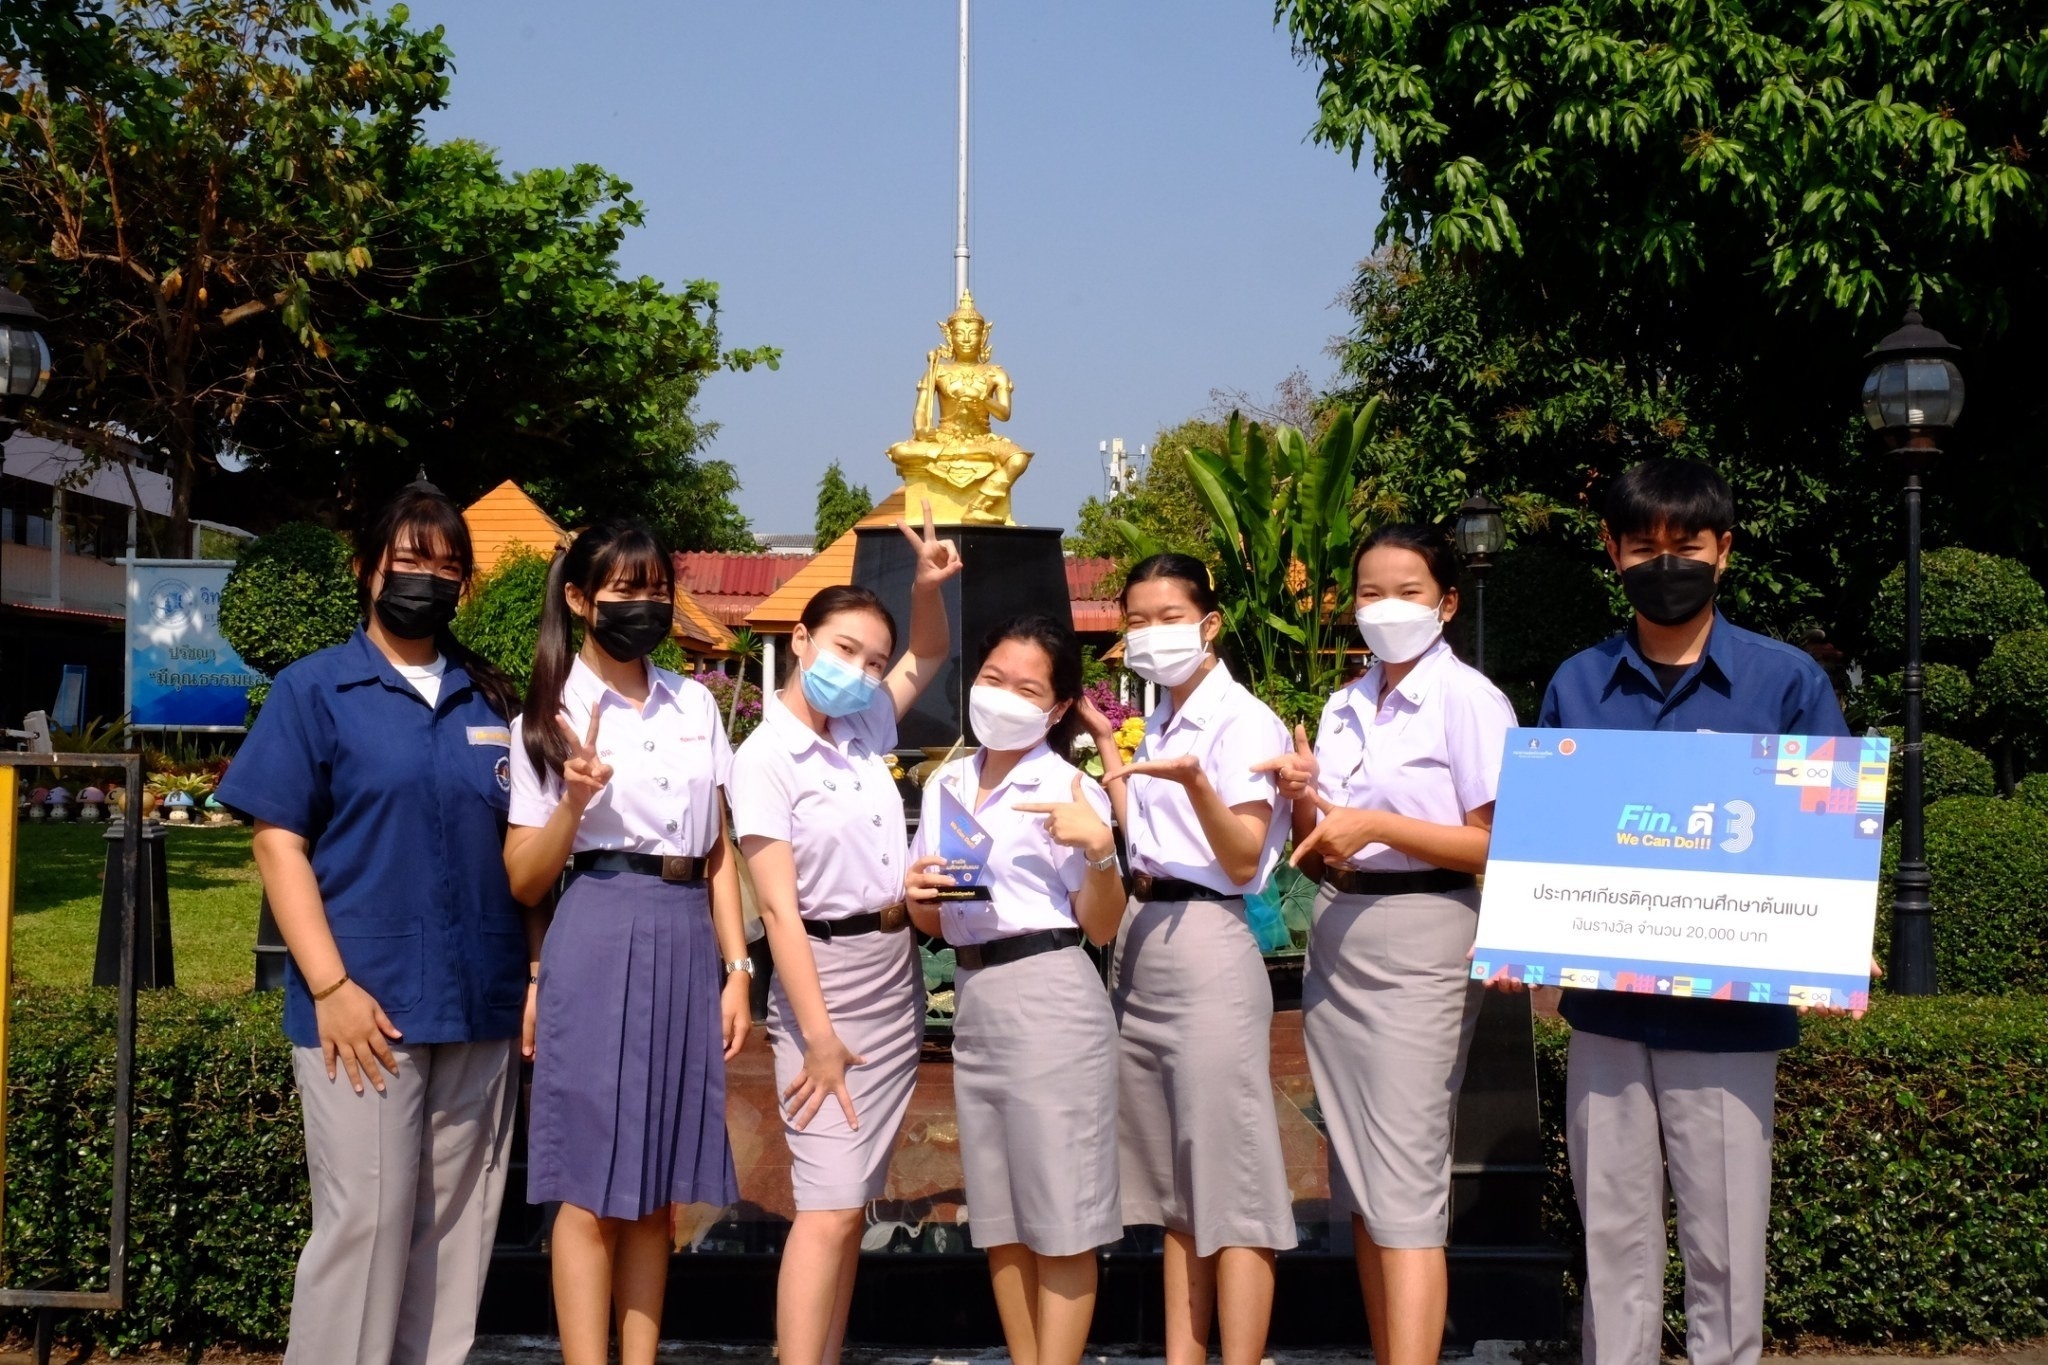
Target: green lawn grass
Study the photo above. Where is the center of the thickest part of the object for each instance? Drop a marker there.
(214, 897)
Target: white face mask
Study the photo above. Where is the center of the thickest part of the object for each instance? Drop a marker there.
(1167, 655)
(1003, 720)
(1397, 630)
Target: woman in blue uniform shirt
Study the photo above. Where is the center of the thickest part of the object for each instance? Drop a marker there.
(378, 777)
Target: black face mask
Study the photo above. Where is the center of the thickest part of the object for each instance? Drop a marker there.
(1670, 589)
(414, 606)
(632, 630)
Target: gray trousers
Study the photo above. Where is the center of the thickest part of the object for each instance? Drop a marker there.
(406, 1189)
(1713, 1113)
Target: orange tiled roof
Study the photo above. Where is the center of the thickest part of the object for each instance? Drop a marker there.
(830, 567)
(506, 517)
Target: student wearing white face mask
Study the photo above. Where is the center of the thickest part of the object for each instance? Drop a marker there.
(1199, 1137)
(1034, 1042)
(1394, 806)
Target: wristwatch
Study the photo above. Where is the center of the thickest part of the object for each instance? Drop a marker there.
(1107, 863)
(740, 964)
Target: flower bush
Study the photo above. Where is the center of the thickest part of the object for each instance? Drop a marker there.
(746, 714)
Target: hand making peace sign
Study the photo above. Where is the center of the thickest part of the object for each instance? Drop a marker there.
(1294, 773)
(584, 774)
(937, 560)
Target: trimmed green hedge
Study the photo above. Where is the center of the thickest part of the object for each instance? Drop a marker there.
(1947, 768)
(218, 1206)
(1967, 601)
(1989, 862)
(1911, 1206)
(1910, 1201)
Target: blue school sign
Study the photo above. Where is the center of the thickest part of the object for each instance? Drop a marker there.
(182, 675)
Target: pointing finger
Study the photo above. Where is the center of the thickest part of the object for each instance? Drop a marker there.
(1301, 744)
(1322, 804)
(1306, 846)
(929, 533)
(596, 714)
(1077, 789)
(1036, 807)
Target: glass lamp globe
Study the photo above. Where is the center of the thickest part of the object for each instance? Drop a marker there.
(1913, 384)
(1481, 532)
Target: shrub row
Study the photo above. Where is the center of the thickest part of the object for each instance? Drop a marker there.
(1910, 1205)
(1911, 1208)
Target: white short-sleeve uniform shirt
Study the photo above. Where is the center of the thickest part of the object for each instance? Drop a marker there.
(669, 757)
(1229, 730)
(1432, 753)
(1031, 879)
(831, 799)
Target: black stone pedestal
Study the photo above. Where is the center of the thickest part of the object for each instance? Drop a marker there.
(1005, 570)
(1507, 1278)
(152, 916)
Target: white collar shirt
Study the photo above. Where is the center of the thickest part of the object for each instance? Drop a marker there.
(1432, 752)
(669, 757)
(1031, 879)
(1228, 730)
(831, 799)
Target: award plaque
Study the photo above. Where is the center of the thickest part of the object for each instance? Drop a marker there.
(965, 846)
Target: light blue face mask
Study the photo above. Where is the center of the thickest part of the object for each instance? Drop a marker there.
(837, 688)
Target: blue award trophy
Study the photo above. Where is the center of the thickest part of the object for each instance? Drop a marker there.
(965, 846)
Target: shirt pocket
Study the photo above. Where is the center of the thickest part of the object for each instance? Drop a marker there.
(383, 957)
(504, 966)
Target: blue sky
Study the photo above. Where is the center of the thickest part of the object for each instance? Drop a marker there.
(1150, 222)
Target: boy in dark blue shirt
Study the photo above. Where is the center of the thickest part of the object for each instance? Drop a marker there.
(1661, 1085)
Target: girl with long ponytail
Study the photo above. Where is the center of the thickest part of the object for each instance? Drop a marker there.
(617, 770)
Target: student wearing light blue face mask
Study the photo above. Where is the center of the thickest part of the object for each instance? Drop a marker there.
(821, 823)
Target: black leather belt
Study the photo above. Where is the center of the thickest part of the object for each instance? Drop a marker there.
(669, 867)
(1434, 881)
(889, 919)
(974, 956)
(1146, 887)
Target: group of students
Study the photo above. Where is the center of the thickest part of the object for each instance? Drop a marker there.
(414, 819)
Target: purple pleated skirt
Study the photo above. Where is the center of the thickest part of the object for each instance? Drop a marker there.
(628, 1111)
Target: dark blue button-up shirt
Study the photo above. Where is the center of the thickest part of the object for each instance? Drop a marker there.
(404, 805)
(1743, 683)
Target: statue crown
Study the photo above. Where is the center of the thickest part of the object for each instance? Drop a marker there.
(966, 309)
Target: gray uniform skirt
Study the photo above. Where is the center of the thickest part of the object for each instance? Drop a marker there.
(874, 991)
(628, 1107)
(1198, 1135)
(1387, 1012)
(1034, 1084)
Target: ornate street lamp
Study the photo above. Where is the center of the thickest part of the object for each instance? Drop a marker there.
(1480, 534)
(1913, 395)
(24, 358)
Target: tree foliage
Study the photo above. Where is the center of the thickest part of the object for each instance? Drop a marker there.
(291, 593)
(1161, 504)
(500, 618)
(840, 505)
(1616, 229)
(241, 236)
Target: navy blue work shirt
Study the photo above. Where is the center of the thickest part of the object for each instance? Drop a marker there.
(404, 805)
(1744, 684)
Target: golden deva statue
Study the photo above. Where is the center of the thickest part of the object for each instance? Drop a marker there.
(952, 457)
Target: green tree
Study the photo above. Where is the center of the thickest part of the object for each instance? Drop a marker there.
(500, 618)
(1679, 226)
(291, 593)
(1162, 503)
(840, 505)
(242, 237)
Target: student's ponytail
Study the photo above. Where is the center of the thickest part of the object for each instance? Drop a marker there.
(617, 553)
(547, 748)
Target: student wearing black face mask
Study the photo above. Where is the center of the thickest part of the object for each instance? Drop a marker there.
(617, 767)
(1662, 1087)
(378, 776)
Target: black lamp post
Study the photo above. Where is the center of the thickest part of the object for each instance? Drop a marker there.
(1480, 535)
(24, 358)
(1913, 395)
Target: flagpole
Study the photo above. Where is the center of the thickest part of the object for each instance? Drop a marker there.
(960, 225)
